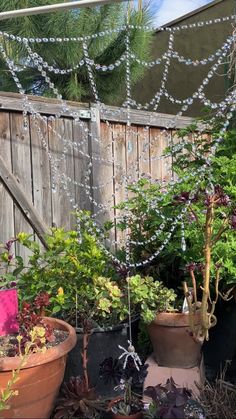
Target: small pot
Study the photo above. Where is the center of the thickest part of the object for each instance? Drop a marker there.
(173, 345)
(138, 415)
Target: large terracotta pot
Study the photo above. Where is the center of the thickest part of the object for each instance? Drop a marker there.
(39, 379)
(138, 415)
(173, 345)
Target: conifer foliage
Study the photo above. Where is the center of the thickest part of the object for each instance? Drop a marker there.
(104, 50)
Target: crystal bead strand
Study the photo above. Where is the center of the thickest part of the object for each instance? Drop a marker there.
(90, 73)
(119, 29)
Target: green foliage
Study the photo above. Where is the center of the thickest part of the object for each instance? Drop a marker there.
(67, 267)
(76, 264)
(103, 50)
(10, 267)
(9, 392)
(148, 205)
(150, 297)
(221, 172)
(151, 205)
(130, 402)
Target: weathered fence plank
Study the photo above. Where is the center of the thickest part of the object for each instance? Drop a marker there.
(103, 175)
(41, 170)
(6, 202)
(167, 162)
(143, 151)
(87, 159)
(13, 102)
(26, 208)
(21, 169)
(106, 176)
(156, 151)
(62, 173)
(143, 118)
(95, 153)
(119, 138)
(132, 164)
(81, 165)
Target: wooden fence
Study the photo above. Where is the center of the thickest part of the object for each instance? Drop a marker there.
(31, 149)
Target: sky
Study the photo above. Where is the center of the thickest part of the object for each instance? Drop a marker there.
(165, 11)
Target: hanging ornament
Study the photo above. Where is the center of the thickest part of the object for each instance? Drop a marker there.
(183, 242)
(130, 353)
(25, 121)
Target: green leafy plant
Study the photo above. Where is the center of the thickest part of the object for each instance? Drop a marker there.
(212, 225)
(10, 267)
(202, 204)
(216, 224)
(130, 402)
(219, 180)
(150, 297)
(76, 265)
(73, 265)
(68, 266)
(151, 210)
(110, 301)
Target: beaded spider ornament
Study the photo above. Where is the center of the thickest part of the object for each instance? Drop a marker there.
(130, 353)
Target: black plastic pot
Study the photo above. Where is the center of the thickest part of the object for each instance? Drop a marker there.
(222, 337)
(103, 343)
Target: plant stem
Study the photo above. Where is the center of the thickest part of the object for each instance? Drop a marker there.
(190, 309)
(194, 287)
(84, 355)
(221, 230)
(206, 276)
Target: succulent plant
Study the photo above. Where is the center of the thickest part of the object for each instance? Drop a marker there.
(77, 401)
(172, 402)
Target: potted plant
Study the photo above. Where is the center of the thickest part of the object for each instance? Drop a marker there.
(102, 303)
(76, 400)
(84, 289)
(33, 362)
(169, 401)
(183, 230)
(210, 233)
(128, 380)
(167, 326)
(127, 406)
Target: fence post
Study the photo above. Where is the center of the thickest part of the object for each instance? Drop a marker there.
(102, 181)
(95, 153)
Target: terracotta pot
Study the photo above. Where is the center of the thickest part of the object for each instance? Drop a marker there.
(138, 415)
(172, 343)
(39, 380)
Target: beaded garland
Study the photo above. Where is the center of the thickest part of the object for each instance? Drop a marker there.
(224, 107)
